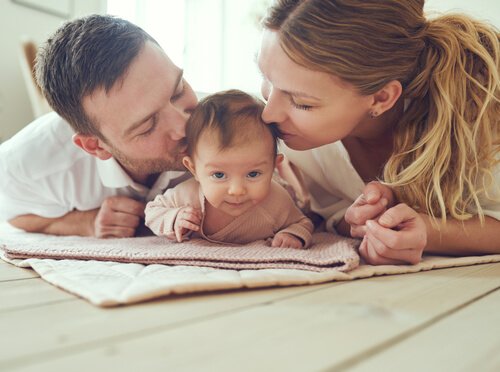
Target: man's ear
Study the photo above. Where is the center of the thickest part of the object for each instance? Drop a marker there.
(92, 145)
(278, 160)
(386, 98)
(189, 164)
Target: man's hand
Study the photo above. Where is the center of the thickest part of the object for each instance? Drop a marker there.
(187, 219)
(285, 240)
(118, 217)
(399, 236)
(374, 201)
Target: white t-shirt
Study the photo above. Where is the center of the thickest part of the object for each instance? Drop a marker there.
(43, 172)
(334, 184)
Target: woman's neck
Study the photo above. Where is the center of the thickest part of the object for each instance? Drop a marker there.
(378, 132)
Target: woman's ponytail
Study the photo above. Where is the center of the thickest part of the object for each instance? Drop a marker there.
(448, 140)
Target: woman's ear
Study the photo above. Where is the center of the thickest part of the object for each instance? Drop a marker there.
(386, 98)
(92, 145)
(189, 164)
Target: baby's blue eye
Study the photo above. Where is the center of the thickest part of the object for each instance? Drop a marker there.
(218, 175)
(254, 174)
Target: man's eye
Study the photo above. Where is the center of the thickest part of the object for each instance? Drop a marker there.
(218, 175)
(152, 128)
(254, 174)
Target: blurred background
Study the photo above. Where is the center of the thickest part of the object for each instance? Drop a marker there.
(214, 41)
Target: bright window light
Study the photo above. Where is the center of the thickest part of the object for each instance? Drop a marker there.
(214, 41)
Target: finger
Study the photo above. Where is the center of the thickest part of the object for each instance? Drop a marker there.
(287, 243)
(359, 214)
(276, 241)
(125, 205)
(396, 215)
(360, 200)
(193, 218)
(178, 234)
(375, 258)
(120, 219)
(188, 225)
(387, 255)
(115, 232)
(358, 231)
(192, 214)
(372, 192)
(400, 244)
(362, 249)
(193, 211)
(297, 244)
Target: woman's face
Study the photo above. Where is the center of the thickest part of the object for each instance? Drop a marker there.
(311, 108)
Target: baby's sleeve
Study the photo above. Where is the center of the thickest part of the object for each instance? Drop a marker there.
(160, 214)
(291, 219)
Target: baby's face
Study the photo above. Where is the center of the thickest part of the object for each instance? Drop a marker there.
(237, 178)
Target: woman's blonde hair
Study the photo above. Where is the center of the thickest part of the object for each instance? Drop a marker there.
(447, 142)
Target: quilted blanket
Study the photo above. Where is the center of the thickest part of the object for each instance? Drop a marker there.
(81, 266)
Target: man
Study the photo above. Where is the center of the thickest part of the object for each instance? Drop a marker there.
(126, 104)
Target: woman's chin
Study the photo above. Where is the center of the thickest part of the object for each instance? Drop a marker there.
(297, 144)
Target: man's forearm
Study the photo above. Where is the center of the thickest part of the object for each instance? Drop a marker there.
(72, 223)
(463, 237)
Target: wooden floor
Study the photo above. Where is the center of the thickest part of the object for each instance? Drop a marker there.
(441, 320)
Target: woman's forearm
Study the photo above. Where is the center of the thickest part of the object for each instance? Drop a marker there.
(460, 238)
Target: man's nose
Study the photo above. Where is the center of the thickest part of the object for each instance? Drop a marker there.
(178, 126)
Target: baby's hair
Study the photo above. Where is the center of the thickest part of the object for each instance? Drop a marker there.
(233, 116)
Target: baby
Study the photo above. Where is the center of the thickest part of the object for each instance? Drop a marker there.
(232, 198)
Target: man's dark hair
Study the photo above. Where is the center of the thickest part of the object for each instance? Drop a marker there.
(84, 55)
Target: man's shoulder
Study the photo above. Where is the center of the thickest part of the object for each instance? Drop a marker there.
(41, 148)
(186, 188)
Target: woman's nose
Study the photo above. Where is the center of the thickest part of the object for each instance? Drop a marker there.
(274, 110)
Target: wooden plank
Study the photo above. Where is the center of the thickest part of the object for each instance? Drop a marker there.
(466, 340)
(317, 330)
(19, 294)
(73, 326)
(11, 272)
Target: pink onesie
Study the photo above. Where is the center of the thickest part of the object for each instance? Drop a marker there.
(276, 213)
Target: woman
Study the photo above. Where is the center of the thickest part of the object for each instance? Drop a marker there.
(373, 91)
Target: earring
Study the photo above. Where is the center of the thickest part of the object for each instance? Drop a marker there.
(373, 114)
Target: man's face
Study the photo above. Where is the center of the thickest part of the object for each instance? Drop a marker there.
(143, 116)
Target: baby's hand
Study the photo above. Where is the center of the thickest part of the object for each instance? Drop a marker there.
(188, 218)
(285, 240)
(375, 200)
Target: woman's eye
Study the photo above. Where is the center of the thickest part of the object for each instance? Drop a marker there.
(300, 107)
(218, 175)
(254, 174)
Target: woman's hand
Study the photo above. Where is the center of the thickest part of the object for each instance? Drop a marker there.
(397, 237)
(374, 201)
